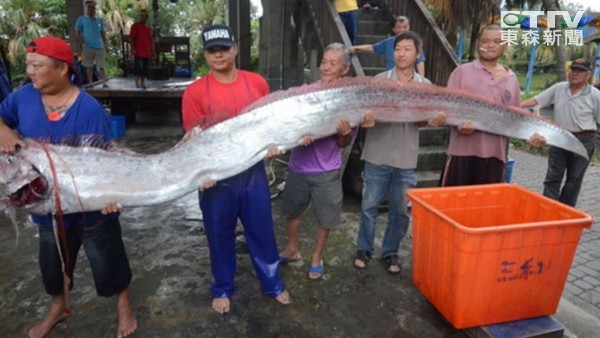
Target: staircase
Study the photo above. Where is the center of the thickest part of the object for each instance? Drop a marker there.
(294, 34)
(373, 26)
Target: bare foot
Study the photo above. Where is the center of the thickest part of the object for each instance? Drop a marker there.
(127, 321)
(55, 314)
(221, 305)
(359, 263)
(283, 298)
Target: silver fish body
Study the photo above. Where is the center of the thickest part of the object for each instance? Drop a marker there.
(87, 178)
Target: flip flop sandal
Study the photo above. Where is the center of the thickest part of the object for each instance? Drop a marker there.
(364, 257)
(391, 261)
(316, 269)
(284, 260)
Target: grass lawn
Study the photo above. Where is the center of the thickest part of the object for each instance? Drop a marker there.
(539, 82)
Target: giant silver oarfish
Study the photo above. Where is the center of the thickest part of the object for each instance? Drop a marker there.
(86, 178)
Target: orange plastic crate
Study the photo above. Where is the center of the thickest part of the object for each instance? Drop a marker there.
(492, 253)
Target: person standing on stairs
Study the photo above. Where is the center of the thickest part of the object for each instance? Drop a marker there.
(348, 12)
(385, 47)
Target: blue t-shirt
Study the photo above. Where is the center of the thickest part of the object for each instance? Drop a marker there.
(23, 110)
(385, 48)
(92, 29)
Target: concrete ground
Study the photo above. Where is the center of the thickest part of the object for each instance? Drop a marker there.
(579, 308)
(171, 275)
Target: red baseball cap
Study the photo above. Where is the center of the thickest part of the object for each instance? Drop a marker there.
(53, 47)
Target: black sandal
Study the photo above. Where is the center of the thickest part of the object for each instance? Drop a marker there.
(363, 257)
(391, 261)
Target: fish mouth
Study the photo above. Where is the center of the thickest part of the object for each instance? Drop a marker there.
(30, 193)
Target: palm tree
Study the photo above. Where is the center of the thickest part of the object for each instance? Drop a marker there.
(119, 15)
(24, 20)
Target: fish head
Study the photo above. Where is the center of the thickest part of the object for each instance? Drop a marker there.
(21, 184)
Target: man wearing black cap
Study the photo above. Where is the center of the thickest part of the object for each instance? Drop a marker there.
(577, 109)
(218, 96)
(52, 109)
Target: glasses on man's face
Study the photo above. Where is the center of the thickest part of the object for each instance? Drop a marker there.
(217, 49)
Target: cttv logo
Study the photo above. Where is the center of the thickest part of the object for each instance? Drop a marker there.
(512, 19)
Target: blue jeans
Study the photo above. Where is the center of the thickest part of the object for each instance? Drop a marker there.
(562, 161)
(380, 180)
(350, 21)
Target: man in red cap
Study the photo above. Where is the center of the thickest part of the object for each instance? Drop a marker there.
(577, 109)
(52, 109)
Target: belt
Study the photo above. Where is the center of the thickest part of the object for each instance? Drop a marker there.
(583, 133)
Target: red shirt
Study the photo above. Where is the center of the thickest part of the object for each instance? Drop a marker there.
(207, 101)
(141, 40)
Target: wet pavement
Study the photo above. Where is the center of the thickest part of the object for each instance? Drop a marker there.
(169, 258)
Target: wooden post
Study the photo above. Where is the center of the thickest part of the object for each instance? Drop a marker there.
(75, 9)
(239, 21)
(281, 59)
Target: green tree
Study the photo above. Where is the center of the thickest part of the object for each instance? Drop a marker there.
(197, 14)
(560, 51)
(469, 15)
(24, 20)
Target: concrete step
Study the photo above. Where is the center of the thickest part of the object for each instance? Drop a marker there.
(372, 71)
(434, 136)
(371, 60)
(368, 39)
(370, 27)
(431, 158)
(371, 15)
(428, 178)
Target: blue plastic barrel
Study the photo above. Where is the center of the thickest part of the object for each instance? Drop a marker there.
(117, 126)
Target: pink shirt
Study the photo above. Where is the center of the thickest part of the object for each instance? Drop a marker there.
(473, 78)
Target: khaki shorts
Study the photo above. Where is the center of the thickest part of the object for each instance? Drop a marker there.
(90, 55)
(323, 192)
